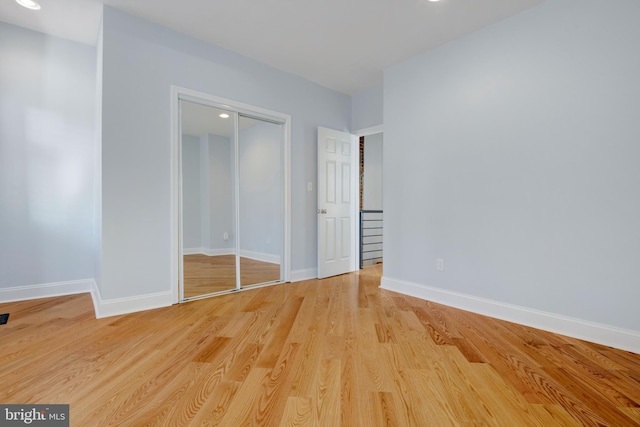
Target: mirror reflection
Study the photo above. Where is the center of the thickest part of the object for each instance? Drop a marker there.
(226, 227)
(261, 200)
(208, 205)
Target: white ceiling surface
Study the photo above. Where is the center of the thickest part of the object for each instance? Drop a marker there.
(341, 44)
(200, 119)
(76, 20)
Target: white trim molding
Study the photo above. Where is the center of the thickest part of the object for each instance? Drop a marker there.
(260, 256)
(118, 306)
(369, 131)
(208, 251)
(46, 290)
(102, 308)
(612, 336)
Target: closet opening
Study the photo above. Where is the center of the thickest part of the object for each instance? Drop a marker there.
(232, 202)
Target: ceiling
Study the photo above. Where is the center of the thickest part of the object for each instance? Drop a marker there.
(342, 44)
(200, 119)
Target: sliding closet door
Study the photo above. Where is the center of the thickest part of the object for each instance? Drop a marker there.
(233, 198)
(208, 199)
(261, 200)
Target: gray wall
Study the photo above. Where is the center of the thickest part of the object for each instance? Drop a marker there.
(221, 192)
(513, 154)
(141, 61)
(47, 146)
(260, 162)
(207, 198)
(208, 187)
(97, 163)
(191, 206)
(372, 178)
(366, 109)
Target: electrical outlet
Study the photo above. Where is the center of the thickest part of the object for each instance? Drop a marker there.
(309, 186)
(440, 264)
(225, 236)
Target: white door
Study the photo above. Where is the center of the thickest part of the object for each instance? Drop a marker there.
(336, 212)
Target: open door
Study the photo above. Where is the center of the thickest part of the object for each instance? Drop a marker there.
(336, 212)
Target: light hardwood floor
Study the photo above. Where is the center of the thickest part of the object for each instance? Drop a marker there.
(208, 274)
(333, 352)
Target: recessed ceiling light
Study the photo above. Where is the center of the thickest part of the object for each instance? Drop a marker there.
(29, 4)
(224, 115)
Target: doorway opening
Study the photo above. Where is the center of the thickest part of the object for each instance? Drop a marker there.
(371, 215)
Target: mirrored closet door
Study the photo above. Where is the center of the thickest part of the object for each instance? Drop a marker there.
(260, 200)
(232, 200)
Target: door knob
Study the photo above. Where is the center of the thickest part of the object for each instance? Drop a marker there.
(322, 211)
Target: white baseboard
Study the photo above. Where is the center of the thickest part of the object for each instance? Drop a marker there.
(577, 328)
(220, 251)
(46, 290)
(300, 275)
(208, 251)
(118, 306)
(192, 251)
(102, 308)
(260, 256)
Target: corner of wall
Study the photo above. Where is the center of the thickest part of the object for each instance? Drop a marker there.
(97, 163)
(120, 306)
(367, 109)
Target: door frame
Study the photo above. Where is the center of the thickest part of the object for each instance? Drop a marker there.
(178, 93)
(356, 187)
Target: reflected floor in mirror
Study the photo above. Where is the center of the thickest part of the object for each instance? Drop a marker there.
(208, 274)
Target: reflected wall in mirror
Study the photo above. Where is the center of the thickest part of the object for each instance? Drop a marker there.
(260, 163)
(232, 191)
(208, 204)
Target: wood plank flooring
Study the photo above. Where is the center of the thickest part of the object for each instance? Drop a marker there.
(208, 274)
(333, 352)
